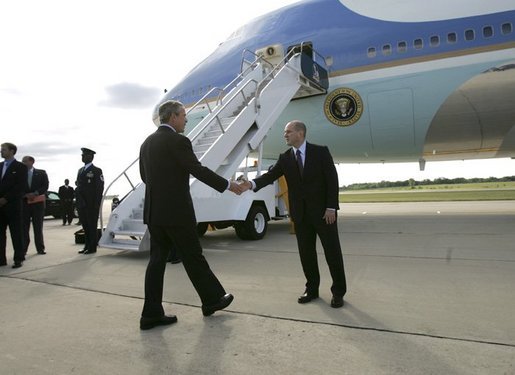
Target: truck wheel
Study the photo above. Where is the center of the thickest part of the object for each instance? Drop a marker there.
(255, 226)
(241, 231)
(201, 229)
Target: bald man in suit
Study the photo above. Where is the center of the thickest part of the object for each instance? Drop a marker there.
(313, 203)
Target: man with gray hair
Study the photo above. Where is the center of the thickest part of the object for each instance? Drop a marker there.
(166, 162)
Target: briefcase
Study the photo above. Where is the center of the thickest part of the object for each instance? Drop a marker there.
(80, 238)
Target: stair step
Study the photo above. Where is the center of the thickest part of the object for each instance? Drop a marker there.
(213, 133)
(135, 226)
(207, 140)
(202, 148)
(128, 233)
(122, 246)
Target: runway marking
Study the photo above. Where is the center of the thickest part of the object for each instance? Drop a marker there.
(349, 326)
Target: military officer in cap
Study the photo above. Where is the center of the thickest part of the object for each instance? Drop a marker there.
(88, 196)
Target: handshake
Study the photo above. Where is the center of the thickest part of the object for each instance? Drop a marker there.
(241, 185)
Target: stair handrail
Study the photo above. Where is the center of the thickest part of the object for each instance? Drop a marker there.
(219, 109)
(221, 93)
(283, 62)
(104, 196)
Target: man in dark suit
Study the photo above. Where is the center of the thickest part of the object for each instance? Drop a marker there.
(66, 194)
(166, 163)
(34, 205)
(88, 194)
(313, 201)
(13, 185)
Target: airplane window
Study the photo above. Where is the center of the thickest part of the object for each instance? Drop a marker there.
(402, 47)
(452, 38)
(434, 41)
(371, 52)
(488, 31)
(418, 43)
(469, 34)
(387, 49)
(506, 28)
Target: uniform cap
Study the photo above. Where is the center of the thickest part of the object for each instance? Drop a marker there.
(87, 151)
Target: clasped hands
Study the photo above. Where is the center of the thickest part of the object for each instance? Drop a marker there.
(239, 186)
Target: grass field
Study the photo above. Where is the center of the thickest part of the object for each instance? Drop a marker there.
(451, 192)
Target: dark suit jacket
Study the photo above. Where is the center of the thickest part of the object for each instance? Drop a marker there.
(90, 187)
(166, 163)
(39, 182)
(66, 193)
(317, 189)
(14, 183)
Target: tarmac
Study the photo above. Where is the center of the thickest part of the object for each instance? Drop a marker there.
(431, 290)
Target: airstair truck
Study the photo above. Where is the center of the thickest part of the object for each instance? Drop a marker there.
(230, 132)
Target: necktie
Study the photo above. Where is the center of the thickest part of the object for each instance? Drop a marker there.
(6, 165)
(299, 162)
(30, 178)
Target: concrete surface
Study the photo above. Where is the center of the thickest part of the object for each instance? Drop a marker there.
(431, 291)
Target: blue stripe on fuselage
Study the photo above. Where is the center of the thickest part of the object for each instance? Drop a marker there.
(340, 33)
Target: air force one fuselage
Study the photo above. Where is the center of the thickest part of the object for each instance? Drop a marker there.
(410, 85)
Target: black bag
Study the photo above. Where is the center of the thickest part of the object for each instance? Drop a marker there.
(80, 238)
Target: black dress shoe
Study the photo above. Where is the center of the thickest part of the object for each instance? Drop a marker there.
(42, 252)
(17, 265)
(337, 301)
(3, 264)
(82, 251)
(175, 260)
(220, 305)
(307, 297)
(147, 323)
(89, 252)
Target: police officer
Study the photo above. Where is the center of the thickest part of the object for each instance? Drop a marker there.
(88, 195)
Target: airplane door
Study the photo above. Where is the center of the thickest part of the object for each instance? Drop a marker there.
(392, 121)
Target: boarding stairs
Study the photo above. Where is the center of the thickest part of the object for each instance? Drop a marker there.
(237, 124)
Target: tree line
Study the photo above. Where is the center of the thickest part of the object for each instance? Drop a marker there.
(413, 183)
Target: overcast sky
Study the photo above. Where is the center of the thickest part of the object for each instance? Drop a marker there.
(87, 74)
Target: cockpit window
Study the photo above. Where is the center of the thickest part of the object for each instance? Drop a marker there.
(236, 34)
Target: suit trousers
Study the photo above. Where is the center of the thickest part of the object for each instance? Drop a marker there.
(11, 216)
(88, 217)
(67, 211)
(185, 237)
(306, 231)
(33, 212)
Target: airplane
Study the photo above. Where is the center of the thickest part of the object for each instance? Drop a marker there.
(407, 81)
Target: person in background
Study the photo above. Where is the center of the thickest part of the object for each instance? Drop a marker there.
(66, 195)
(13, 185)
(34, 205)
(88, 197)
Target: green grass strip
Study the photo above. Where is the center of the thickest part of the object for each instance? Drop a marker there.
(427, 196)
